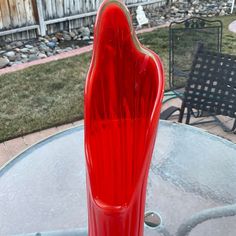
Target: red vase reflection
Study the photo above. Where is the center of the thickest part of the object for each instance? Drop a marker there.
(123, 95)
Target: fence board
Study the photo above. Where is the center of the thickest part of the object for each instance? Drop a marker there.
(72, 7)
(54, 9)
(67, 7)
(6, 20)
(29, 13)
(59, 8)
(1, 23)
(20, 11)
(47, 9)
(15, 21)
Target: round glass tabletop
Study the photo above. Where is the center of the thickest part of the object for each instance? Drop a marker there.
(43, 189)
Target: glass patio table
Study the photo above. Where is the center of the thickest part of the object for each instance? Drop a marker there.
(43, 192)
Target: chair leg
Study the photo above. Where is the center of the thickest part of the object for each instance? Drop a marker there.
(188, 116)
(181, 114)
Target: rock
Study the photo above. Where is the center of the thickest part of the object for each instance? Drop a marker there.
(67, 49)
(49, 54)
(75, 31)
(44, 48)
(72, 34)
(84, 31)
(29, 46)
(85, 38)
(8, 40)
(16, 63)
(52, 44)
(33, 50)
(42, 55)
(222, 13)
(41, 39)
(91, 29)
(18, 44)
(67, 37)
(8, 47)
(33, 57)
(59, 36)
(17, 50)
(58, 51)
(24, 50)
(54, 39)
(24, 60)
(23, 56)
(18, 57)
(3, 62)
(195, 3)
(11, 55)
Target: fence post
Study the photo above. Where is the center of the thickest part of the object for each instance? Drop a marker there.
(42, 24)
(232, 7)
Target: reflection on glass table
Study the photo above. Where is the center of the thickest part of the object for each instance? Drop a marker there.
(43, 189)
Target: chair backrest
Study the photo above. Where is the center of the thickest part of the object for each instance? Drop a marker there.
(212, 83)
(184, 38)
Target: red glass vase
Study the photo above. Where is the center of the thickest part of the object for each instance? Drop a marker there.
(123, 94)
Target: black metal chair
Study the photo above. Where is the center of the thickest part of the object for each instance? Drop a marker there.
(184, 39)
(211, 87)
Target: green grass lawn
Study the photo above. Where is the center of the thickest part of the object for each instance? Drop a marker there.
(52, 94)
(42, 96)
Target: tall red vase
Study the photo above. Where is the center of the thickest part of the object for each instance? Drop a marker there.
(123, 94)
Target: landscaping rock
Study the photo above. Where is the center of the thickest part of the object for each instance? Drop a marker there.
(8, 47)
(3, 62)
(52, 44)
(29, 46)
(49, 54)
(72, 34)
(58, 51)
(33, 50)
(23, 56)
(59, 36)
(24, 50)
(18, 57)
(54, 39)
(67, 49)
(66, 36)
(42, 55)
(11, 55)
(44, 48)
(19, 44)
(85, 38)
(84, 32)
(16, 63)
(33, 57)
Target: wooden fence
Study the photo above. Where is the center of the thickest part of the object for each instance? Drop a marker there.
(20, 19)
